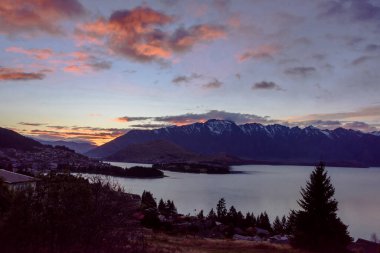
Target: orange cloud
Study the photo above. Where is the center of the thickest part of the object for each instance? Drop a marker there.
(94, 135)
(37, 16)
(264, 51)
(138, 34)
(12, 74)
(41, 54)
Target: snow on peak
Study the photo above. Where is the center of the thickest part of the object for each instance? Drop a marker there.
(219, 126)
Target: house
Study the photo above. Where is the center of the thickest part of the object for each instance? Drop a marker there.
(15, 181)
(364, 246)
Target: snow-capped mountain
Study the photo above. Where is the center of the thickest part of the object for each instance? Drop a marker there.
(258, 142)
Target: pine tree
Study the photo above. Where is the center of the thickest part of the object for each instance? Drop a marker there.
(316, 226)
(221, 210)
(211, 215)
(263, 222)
(162, 207)
(278, 229)
(232, 215)
(200, 215)
(147, 201)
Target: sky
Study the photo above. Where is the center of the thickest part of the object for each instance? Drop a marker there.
(91, 70)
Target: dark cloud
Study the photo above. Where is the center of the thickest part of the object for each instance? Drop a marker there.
(361, 60)
(138, 34)
(100, 65)
(359, 125)
(353, 10)
(300, 71)
(184, 39)
(185, 79)
(264, 85)
(188, 118)
(129, 119)
(149, 126)
(12, 74)
(319, 57)
(372, 47)
(31, 124)
(37, 16)
(214, 84)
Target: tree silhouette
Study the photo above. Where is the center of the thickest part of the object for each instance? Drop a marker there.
(316, 226)
(221, 210)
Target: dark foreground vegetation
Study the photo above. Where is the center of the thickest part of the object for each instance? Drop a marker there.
(66, 214)
(70, 214)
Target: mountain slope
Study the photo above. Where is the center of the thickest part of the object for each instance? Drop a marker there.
(152, 152)
(11, 139)
(272, 143)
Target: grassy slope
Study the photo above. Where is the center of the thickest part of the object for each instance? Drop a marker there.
(189, 244)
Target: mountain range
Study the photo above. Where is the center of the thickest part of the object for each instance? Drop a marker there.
(253, 142)
(79, 147)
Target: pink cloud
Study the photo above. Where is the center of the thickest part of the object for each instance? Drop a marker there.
(41, 54)
(37, 16)
(137, 34)
(263, 51)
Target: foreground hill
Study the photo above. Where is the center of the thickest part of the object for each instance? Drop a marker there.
(256, 142)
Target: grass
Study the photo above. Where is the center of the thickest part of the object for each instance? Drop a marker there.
(161, 243)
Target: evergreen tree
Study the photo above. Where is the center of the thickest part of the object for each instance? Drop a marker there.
(172, 210)
(263, 222)
(316, 226)
(147, 201)
(221, 210)
(250, 220)
(211, 215)
(232, 215)
(278, 228)
(200, 215)
(162, 207)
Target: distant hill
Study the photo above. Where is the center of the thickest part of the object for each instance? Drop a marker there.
(275, 144)
(79, 147)
(11, 139)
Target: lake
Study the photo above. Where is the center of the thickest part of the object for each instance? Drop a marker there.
(274, 189)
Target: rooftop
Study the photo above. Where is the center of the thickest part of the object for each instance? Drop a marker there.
(14, 178)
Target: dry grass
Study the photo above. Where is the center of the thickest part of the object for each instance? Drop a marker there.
(161, 243)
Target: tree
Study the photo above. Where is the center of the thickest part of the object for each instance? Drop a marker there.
(147, 201)
(162, 207)
(221, 210)
(278, 228)
(316, 226)
(263, 222)
(211, 215)
(200, 215)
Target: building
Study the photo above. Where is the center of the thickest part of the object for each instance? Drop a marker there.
(15, 181)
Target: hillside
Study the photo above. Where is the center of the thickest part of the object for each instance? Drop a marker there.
(152, 152)
(255, 142)
(11, 139)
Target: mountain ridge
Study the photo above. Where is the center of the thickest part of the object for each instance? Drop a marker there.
(253, 141)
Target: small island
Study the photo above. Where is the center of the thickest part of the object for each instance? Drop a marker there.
(206, 168)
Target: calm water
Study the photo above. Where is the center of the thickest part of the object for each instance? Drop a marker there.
(274, 189)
